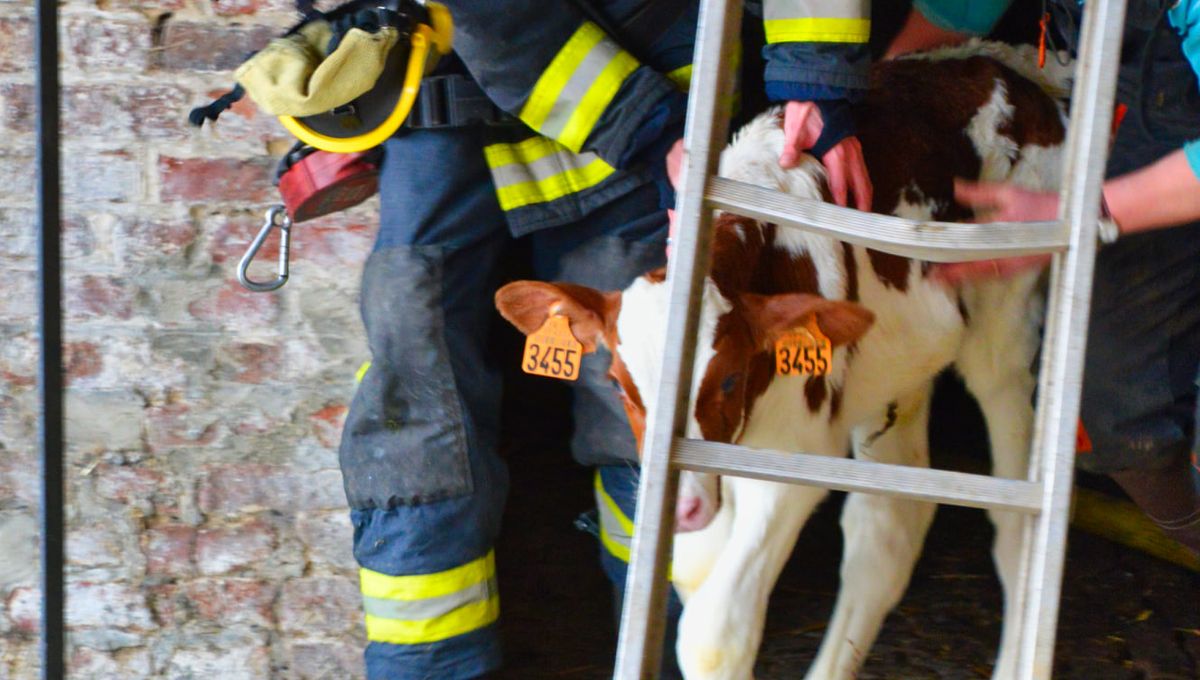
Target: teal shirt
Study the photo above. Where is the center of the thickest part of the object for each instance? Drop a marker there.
(978, 17)
(1185, 19)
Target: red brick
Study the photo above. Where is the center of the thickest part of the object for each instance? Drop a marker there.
(127, 483)
(234, 548)
(327, 424)
(101, 176)
(229, 8)
(235, 305)
(199, 47)
(25, 609)
(328, 537)
(19, 301)
(77, 237)
(19, 478)
(232, 600)
(318, 660)
(16, 44)
(18, 233)
(330, 242)
(258, 422)
(169, 550)
(129, 662)
(131, 111)
(249, 362)
(168, 603)
(16, 106)
(108, 45)
(159, 8)
(81, 360)
(245, 487)
(143, 243)
(216, 179)
(107, 605)
(234, 235)
(19, 185)
(95, 546)
(96, 297)
(174, 425)
(328, 605)
(246, 661)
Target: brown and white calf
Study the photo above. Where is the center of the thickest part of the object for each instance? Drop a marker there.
(928, 120)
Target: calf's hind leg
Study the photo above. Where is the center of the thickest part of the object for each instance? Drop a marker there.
(995, 364)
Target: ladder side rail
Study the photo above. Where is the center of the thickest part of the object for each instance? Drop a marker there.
(639, 648)
(1060, 381)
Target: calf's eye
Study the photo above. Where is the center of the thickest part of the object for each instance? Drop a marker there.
(730, 382)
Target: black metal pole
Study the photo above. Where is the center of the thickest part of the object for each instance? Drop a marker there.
(50, 376)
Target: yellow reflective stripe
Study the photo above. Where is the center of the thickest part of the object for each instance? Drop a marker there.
(682, 77)
(617, 548)
(613, 508)
(577, 86)
(462, 620)
(609, 508)
(524, 151)
(818, 29)
(555, 186)
(545, 92)
(422, 586)
(592, 106)
(362, 371)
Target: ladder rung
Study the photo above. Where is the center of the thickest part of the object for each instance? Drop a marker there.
(845, 474)
(931, 241)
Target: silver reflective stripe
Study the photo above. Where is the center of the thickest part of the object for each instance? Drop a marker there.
(581, 81)
(816, 9)
(610, 524)
(429, 608)
(543, 168)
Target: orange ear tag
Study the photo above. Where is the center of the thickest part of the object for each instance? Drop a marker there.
(803, 351)
(552, 350)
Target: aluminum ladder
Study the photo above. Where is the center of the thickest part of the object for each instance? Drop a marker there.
(1043, 498)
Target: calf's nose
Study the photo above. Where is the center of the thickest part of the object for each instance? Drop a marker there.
(691, 514)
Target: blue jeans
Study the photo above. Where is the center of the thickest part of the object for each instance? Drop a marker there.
(423, 479)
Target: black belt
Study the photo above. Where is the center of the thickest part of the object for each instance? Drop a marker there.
(454, 101)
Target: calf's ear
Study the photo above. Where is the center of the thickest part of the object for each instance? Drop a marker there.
(527, 305)
(770, 316)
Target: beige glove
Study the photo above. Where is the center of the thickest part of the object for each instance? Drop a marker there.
(292, 76)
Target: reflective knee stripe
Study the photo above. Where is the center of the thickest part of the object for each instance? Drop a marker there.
(362, 371)
(575, 88)
(538, 170)
(833, 21)
(409, 610)
(616, 529)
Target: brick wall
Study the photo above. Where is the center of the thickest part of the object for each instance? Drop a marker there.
(207, 530)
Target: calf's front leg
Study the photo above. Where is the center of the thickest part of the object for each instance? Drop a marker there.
(722, 623)
(883, 539)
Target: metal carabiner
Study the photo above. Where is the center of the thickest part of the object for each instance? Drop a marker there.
(285, 240)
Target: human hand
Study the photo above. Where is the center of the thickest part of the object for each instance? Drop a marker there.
(844, 164)
(998, 202)
(674, 170)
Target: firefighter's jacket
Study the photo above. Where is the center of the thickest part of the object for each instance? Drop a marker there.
(596, 117)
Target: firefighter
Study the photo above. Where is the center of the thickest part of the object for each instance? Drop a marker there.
(1139, 402)
(580, 173)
